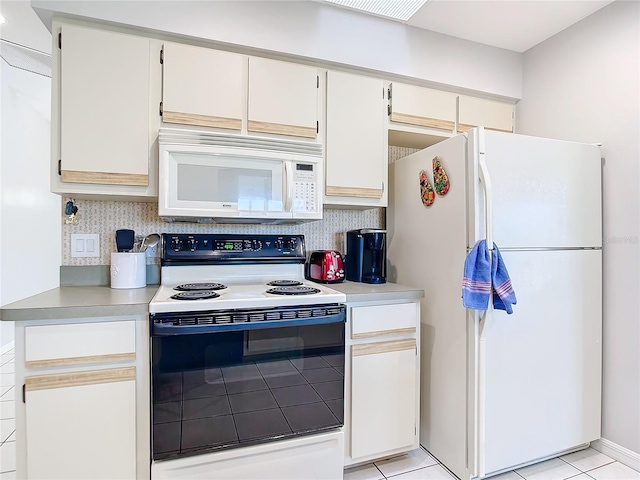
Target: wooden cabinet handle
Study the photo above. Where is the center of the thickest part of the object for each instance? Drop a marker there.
(93, 377)
(383, 347)
(62, 362)
(384, 333)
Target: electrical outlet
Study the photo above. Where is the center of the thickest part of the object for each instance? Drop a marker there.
(85, 245)
(151, 252)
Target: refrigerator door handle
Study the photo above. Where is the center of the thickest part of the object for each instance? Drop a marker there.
(477, 454)
(488, 207)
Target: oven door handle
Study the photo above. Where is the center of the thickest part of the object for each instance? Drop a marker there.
(161, 329)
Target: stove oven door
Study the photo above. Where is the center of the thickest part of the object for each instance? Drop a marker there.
(239, 378)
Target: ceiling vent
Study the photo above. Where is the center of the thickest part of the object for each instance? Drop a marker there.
(401, 10)
(25, 58)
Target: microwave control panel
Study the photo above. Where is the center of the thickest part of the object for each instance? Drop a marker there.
(305, 187)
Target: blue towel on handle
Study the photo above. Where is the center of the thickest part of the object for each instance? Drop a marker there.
(476, 284)
(503, 294)
(483, 277)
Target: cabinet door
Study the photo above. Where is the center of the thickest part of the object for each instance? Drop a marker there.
(81, 425)
(383, 396)
(474, 112)
(283, 98)
(422, 107)
(104, 112)
(356, 150)
(202, 86)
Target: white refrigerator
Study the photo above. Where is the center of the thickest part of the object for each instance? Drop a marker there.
(500, 391)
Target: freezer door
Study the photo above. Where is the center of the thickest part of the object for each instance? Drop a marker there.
(537, 379)
(546, 193)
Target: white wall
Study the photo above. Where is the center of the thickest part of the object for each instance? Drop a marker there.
(583, 85)
(30, 216)
(311, 30)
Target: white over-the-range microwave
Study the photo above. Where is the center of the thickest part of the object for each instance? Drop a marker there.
(226, 178)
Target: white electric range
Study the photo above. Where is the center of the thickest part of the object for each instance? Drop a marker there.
(247, 361)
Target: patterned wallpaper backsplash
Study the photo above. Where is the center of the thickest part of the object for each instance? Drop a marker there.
(105, 217)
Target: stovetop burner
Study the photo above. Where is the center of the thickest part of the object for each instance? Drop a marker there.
(284, 283)
(195, 295)
(191, 287)
(295, 290)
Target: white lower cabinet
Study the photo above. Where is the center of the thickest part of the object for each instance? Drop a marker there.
(81, 425)
(382, 370)
(84, 407)
(383, 399)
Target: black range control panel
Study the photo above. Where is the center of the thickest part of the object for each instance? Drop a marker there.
(213, 248)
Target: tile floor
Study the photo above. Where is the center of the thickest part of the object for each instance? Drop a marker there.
(419, 465)
(416, 465)
(7, 417)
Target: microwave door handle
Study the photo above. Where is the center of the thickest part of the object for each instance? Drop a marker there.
(288, 186)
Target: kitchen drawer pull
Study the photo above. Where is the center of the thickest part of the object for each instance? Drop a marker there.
(46, 382)
(383, 347)
(384, 333)
(60, 362)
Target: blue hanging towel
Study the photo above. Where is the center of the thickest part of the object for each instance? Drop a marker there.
(503, 294)
(476, 284)
(483, 277)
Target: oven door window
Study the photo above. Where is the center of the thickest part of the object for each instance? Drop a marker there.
(222, 390)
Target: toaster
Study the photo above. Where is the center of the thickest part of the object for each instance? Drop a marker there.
(325, 266)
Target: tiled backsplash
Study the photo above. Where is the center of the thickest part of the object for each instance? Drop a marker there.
(105, 217)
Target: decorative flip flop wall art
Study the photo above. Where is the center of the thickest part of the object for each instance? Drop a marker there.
(427, 194)
(440, 178)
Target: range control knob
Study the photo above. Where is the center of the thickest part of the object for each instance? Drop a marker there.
(292, 244)
(193, 244)
(176, 244)
(279, 244)
(256, 245)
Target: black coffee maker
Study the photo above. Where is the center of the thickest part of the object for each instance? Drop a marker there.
(366, 255)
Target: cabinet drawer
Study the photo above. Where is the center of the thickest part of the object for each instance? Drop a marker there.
(79, 343)
(380, 320)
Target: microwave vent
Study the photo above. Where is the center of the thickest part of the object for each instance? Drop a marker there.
(178, 136)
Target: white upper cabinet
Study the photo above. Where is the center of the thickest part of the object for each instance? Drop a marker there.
(474, 112)
(423, 107)
(283, 98)
(202, 86)
(356, 146)
(104, 108)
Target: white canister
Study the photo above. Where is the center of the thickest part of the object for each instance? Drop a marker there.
(128, 270)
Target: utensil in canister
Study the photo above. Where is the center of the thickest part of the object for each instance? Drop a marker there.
(149, 241)
(125, 239)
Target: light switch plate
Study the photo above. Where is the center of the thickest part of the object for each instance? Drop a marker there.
(85, 245)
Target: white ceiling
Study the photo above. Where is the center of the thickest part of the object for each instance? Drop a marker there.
(23, 26)
(511, 24)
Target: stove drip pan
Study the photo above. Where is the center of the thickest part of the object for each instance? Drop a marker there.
(297, 290)
(191, 287)
(195, 295)
(285, 283)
